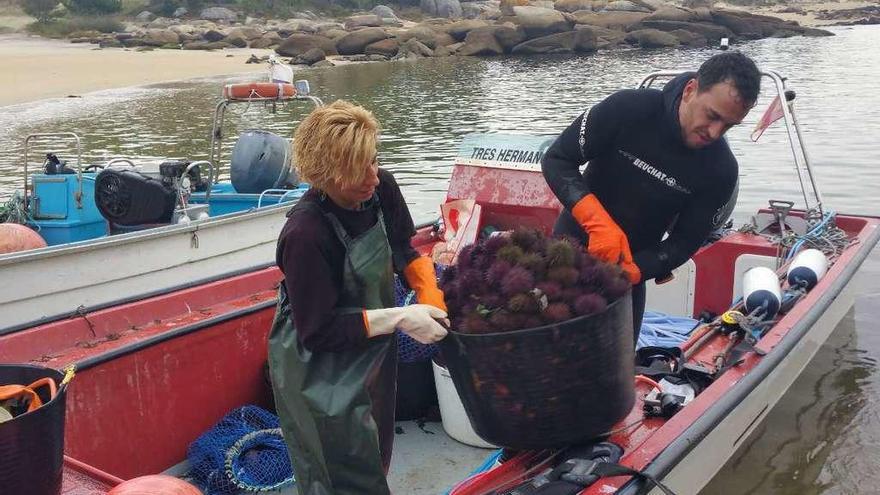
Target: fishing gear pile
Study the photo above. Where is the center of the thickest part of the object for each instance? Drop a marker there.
(525, 279)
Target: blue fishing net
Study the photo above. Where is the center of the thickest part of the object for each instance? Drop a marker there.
(244, 451)
(410, 350)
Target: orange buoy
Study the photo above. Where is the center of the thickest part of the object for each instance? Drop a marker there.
(15, 237)
(259, 91)
(155, 484)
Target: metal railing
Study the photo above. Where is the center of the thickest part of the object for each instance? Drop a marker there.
(27, 143)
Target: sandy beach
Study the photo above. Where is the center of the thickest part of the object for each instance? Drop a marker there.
(34, 68)
(808, 16)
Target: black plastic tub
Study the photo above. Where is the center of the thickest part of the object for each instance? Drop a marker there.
(32, 444)
(550, 386)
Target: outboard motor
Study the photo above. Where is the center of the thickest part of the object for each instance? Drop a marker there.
(260, 161)
(127, 197)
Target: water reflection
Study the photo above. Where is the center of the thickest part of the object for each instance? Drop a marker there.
(823, 435)
(793, 451)
(425, 108)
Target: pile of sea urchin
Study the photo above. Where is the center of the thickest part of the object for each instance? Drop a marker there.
(524, 280)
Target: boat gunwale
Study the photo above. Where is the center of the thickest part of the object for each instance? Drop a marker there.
(85, 311)
(159, 292)
(179, 331)
(688, 438)
(137, 236)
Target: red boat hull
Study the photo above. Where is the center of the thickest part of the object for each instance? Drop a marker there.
(155, 374)
(147, 386)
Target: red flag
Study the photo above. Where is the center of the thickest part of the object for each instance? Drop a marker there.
(771, 115)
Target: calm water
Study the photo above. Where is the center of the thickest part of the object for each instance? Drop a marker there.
(824, 436)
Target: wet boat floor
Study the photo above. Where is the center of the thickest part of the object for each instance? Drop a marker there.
(427, 461)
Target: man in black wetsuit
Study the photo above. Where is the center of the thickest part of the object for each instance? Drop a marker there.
(655, 157)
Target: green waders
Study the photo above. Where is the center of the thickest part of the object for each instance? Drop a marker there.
(337, 408)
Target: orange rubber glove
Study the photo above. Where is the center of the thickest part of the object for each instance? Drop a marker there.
(607, 240)
(421, 278)
(630, 269)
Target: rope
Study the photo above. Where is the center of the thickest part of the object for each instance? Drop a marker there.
(81, 311)
(624, 427)
(822, 234)
(825, 236)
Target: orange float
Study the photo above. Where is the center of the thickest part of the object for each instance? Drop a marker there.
(15, 237)
(259, 91)
(155, 484)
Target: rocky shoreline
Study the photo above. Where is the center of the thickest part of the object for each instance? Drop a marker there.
(486, 28)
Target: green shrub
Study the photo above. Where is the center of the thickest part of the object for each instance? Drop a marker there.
(274, 8)
(333, 9)
(41, 10)
(134, 7)
(100, 24)
(93, 7)
(49, 29)
(166, 8)
(194, 6)
(59, 28)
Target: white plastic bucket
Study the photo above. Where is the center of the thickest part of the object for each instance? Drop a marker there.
(455, 420)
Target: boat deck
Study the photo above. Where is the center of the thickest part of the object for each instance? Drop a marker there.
(426, 461)
(138, 364)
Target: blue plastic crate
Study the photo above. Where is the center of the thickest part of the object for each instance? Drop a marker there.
(58, 217)
(225, 200)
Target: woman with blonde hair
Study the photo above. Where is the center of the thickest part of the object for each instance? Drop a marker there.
(333, 348)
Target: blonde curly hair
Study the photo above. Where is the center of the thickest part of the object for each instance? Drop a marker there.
(335, 144)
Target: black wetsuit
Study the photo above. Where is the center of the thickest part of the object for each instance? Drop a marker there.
(645, 177)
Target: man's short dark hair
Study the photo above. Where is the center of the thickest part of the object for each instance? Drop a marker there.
(736, 68)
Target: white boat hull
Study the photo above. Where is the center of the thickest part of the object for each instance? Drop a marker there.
(701, 464)
(50, 283)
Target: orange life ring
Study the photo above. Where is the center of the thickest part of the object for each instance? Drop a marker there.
(259, 91)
